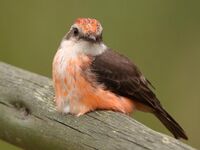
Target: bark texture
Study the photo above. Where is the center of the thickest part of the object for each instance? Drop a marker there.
(28, 119)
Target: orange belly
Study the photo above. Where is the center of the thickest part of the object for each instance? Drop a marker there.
(74, 94)
(98, 98)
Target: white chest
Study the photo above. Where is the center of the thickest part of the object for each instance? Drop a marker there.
(64, 77)
(67, 73)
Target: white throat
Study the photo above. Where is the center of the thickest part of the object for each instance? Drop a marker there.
(82, 47)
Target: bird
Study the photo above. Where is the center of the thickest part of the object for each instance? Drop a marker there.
(88, 76)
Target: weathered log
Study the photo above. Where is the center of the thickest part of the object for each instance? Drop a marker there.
(29, 120)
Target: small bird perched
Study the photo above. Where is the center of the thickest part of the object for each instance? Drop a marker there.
(88, 75)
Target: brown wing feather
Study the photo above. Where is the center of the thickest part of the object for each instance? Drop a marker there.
(122, 77)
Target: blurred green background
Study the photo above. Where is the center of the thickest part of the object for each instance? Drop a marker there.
(162, 37)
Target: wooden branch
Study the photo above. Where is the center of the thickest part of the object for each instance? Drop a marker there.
(29, 120)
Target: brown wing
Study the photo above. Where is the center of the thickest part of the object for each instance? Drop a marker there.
(122, 77)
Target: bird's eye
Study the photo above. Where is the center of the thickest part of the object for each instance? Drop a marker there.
(75, 31)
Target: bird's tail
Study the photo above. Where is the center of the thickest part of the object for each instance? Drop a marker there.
(170, 124)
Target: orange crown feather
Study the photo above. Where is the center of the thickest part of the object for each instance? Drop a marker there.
(91, 26)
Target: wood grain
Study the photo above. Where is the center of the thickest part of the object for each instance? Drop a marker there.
(28, 119)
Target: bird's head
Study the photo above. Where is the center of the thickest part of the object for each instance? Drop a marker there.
(86, 29)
